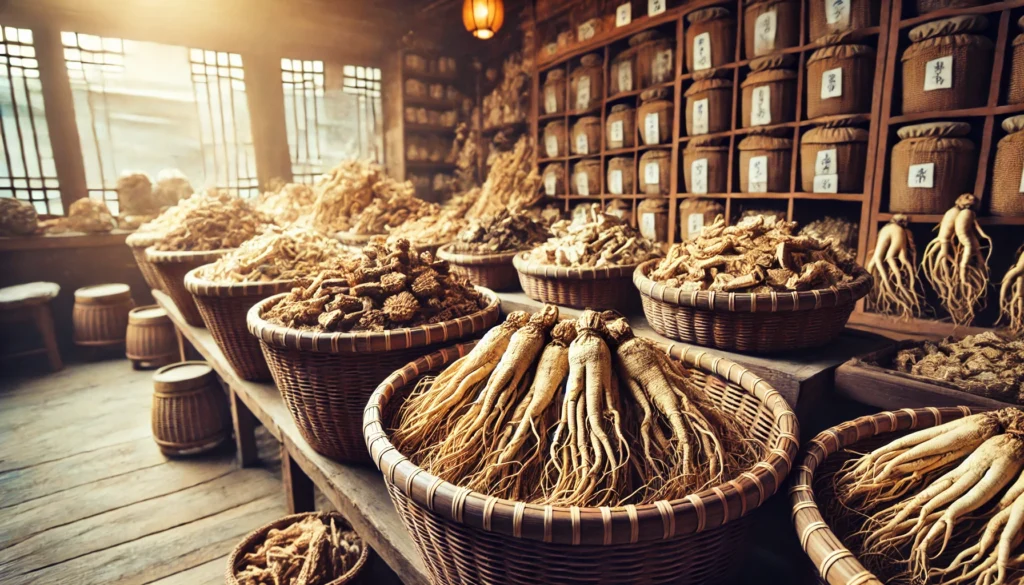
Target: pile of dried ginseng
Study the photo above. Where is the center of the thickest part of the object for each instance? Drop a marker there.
(392, 287)
(287, 204)
(308, 552)
(841, 233)
(210, 221)
(282, 254)
(985, 364)
(504, 232)
(594, 239)
(440, 227)
(349, 188)
(758, 255)
(398, 206)
(512, 183)
(571, 413)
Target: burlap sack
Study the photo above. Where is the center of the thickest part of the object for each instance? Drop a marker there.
(971, 55)
(848, 164)
(655, 101)
(781, 81)
(787, 27)
(855, 80)
(861, 14)
(942, 144)
(1007, 185)
(718, 93)
(715, 152)
(720, 26)
(779, 154)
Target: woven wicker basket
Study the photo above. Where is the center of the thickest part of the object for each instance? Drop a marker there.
(252, 541)
(190, 412)
(171, 268)
(224, 307)
(326, 378)
(467, 537)
(356, 240)
(493, 271)
(851, 154)
(836, 564)
(138, 242)
(720, 27)
(581, 288)
(775, 73)
(747, 322)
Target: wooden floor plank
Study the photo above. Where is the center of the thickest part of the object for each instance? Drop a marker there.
(209, 573)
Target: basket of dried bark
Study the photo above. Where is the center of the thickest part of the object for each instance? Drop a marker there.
(494, 271)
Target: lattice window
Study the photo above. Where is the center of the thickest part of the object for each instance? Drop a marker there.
(27, 171)
(332, 113)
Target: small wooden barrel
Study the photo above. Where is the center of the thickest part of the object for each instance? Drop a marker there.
(150, 341)
(190, 412)
(100, 316)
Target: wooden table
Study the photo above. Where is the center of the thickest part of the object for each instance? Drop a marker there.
(357, 492)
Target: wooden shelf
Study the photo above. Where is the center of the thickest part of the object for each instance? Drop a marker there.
(431, 77)
(429, 128)
(965, 113)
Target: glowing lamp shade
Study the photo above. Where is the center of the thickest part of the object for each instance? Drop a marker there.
(483, 18)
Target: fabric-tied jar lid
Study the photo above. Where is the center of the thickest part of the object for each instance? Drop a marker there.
(656, 154)
(587, 121)
(765, 142)
(556, 74)
(834, 135)
(1014, 124)
(934, 130)
(619, 108)
(707, 143)
(591, 60)
(706, 14)
(705, 83)
(970, 23)
(776, 61)
(587, 163)
(641, 38)
(840, 52)
(655, 93)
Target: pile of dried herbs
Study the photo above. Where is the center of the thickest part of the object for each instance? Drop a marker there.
(308, 552)
(214, 220)
(287, 204)
(594, 239)
(281, 254)
(504, 232)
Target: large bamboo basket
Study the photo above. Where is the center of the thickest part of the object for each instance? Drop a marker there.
(749, 322)
(138, 242)
(582, 288)
(837, 564)
(467, 537)
(171, 268)
(251, 542)
(326, 378)
(494, 271)
(223, 307)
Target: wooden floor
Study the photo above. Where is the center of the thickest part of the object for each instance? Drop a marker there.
(87, 498)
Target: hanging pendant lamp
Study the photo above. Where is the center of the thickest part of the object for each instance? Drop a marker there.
(483, 18)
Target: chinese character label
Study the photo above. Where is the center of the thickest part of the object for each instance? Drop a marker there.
(1022, 180)
(764, 33)
(702, 51)
(582, 144)
(825, 162)
(586, 31)
(921, 176)
(700, 116)
(615, 182)
(699, 178)
(550, 183)
(938, 73)
(583, 93)
(648, 226)
(837, 14)
(626, 76)
(652, 173)
(582, 184)
(694, 224)
(550, 101)
(655, 7)
(651, 129)
(761, 106)
(832, 83)
(826, 183)
(757, 174)
(617, 134)
(624, 14)
(662, 67)
(551, 146)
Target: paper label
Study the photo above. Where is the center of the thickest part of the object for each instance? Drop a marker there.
(832, 83)
(652, 173)
(702, 51)
(826, 183)
(764, 33)
(582, 144)
(837, 13)
(938, 73)
(699, 178)
(582, 184)
(656, 7)
(625, 76)
(583, 94)
(700, 116)
(661, 69)
(617, 134)
(551, 146)
(550, 101)
(761, 106)
(694, 224)
(1022, 180)
(586, 31)
(825, 162)
(647, 226)
(624, 14)
(757, 174)
(615, 182)
(550, 184)
(921, 176)
(651, 129)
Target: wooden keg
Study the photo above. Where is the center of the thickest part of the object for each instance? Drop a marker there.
(190, 412)
(150, 341)
(100, 316)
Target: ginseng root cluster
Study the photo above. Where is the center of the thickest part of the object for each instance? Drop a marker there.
(308, 552)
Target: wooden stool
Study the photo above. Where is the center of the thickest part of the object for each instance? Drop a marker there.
(31, 302)
(100, 317)
(190, 411)
(150, 341)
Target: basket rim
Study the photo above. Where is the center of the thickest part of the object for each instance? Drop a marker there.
(182, 256)
(249, 539)
(774, 302)
(445, 253)
(541, 270)
(816, 452)
(202, 287)
(572, 525)
(367, 341)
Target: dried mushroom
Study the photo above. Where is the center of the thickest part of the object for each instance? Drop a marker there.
(594, 239)
(286, 204)
(504, 232)
(214, 220)
(281, 254)
(308, 552)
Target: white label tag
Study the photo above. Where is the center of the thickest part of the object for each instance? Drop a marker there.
(700, 116)
(938, 73)
(652, 173)
(647, 226)
(661, 70)
(825, 162)
(837, 13)
(826, 183)
(550, 101)
(699, 177)
(615, 182)
(582, 184)
(586, 31)
(583, 94)
(764, 33)
(651, 129)
(655, 7)
(550, 184)
(832, 83)
(694, 224)
(921, 176)
(626, 76)
(624, 14)
(757, 174)
(582, 144)
(761, 106)
(551, 146)
(1022, 180)
(702, 51)
(617, 134)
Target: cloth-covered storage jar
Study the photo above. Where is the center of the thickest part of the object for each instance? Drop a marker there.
(652, 219)
(620, 129)
(840, 79)
(622, 72)
(710, 39)
(554, 179)
(654, 172)
(586, 136)
(925, 6)
(654, 58)
(829, 17)
(708, 104)
(1015, 94)
(620, 209)
(586, 177)
(833, 159)
(706, 165)
(770, 26)
(1008, 172)
(931, 166)
(554, 92)
(765, 163)
(621, 176)
(654, 117)
(947, 66)
(586, 83)
(694, 214)
(769, 91)
(555, 139)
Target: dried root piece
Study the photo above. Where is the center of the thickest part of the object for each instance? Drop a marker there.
(282, 254)
(893, 265)
(954, 263)
(594, 239)
(308, 552)
(1011, 296)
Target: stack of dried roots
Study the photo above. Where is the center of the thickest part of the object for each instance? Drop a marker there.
(349, 188)
(392, 287)
(985, 364)
(504, 232)
(308, 552)
(571, 413)
(594, 239)
(287, 204)
(513, 182)
(956, 263)
(209, 221)
(841, 233)
(758, 255)
(941, 505)
(282, 254)
(398, 206)
(440, 227)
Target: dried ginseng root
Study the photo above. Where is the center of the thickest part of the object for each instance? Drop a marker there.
(893, 266)
(308, 552)
(344, 191)
(594, 239)
(287, 204)
(210, 221)
(282, 254)
(955, 264)
(1011, 296)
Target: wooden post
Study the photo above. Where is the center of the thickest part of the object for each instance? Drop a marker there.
(265, 95)
(298, 488)
(245, 431)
